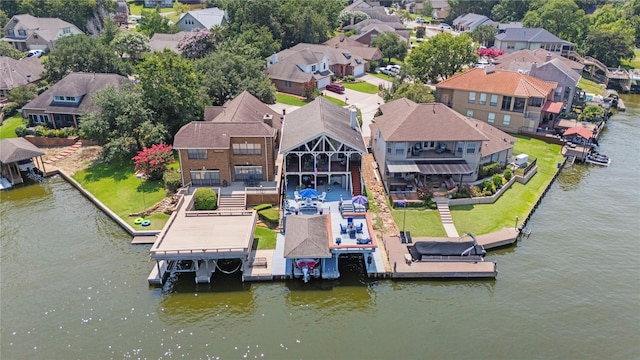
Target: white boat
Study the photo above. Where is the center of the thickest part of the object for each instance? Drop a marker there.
(598, 159)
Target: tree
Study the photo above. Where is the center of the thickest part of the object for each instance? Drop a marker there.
(171, 88)
(346, 18)
(310, 90)
(124, 124)
(22, 94)
(416, 92)
(484, 34)
(4, 19)
(197, 44)
(153, 22)
(152, 162)
(562, 18)
(180, 8)
(82, 53)
(460, 7)
(509, 10)
(7, 50)
(109, 32)
(226, 74)
(131, 43)
(442, 56)
(610, 44)
(259, 38)
(391, 45)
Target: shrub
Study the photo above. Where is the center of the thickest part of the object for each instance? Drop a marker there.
(507, 174)
(152, 162)
(373, 64)
(172, 180)
(205, 199)
(262, 207)
(21, 131)
(420, 32)
(498, 180)
(50, 133)
(489, 169)
(10, 109)
(270, 216)
(488, 187)
(349, 78)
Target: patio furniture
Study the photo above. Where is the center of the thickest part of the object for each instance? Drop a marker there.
(441, 148)
(349, 221)
(343, 229)
(352, 234)
(296, 196)
(364, 241)
(322, 197)
(360, 227)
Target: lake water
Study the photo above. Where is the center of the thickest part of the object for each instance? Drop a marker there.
(72, 286)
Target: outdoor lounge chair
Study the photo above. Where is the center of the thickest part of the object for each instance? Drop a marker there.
(343, 229)
(408, 237)
(359, 227)
(296, 196)
(441, 148)
(322, 197)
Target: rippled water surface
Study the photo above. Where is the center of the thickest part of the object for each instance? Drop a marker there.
(72, 286)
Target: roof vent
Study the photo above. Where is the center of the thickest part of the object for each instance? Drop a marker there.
(489, 69)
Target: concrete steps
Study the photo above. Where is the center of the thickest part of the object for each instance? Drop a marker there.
(232, 202)
(445, 216)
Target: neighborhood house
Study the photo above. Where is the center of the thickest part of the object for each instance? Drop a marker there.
(26, 32)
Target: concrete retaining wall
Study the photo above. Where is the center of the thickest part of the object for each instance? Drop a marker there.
(51, 141)
(493, 198)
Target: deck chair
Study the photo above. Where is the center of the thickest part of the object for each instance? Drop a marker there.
(296, 196)
(343, 229)
(322, 197)
(349, 221)
(359, 227)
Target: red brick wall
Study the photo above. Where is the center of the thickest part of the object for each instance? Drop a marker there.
(296, 88)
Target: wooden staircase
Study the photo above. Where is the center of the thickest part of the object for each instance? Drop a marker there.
(355, 179)
(236, 201)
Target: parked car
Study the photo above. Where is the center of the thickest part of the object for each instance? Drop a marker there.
(336, 88)
(420, 20)
(444, 26)
(35, 53)
(391, 70)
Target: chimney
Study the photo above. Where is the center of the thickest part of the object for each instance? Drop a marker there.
(268, 119)
(354, 118)
(274, 58)
(489, 69)
(548, 57)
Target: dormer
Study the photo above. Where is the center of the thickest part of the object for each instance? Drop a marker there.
(63, 100)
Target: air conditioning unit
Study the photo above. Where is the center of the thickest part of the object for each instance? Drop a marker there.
(522, 159)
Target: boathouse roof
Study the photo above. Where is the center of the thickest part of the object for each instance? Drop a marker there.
(307, 236)
(13, 150)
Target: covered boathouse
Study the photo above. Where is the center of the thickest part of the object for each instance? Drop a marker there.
(195, 241)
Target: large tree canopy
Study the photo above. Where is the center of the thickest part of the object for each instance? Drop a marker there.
(509, 10)
(153, 22)
(82, 53)
(9, 51)
(484, 34)
(442, 56)
(130, 43)
(391, 45)
(171, 88)
(562, 18)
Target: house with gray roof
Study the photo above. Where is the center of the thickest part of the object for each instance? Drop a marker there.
(26, 32)
(369, 32)
(15, 73)
(159, 42)
(355, 47)
(63, 104)
(426, 145)
(322, 146)
(514, 39)
(202, 19)
(237, 142)
(292, 68)
(469, 22)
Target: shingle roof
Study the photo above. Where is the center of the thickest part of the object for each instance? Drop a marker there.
(320, 116)
(209, 17)
(14, 73)
(529, 35)
(47, 28)
(355, 47)
(217, 135)
(307, 236)
(499, 82)
(243, 108)
(76, 84)
(364, 23)
(289, 60)
(529, 56)
(159, 42)
(16, 149)
(498, 139)
(404, 120)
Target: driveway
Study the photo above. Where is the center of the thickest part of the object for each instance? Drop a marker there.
(367, 103)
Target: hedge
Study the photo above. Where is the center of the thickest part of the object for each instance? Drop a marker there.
(172, 180)
(205, 199)
(270, 216)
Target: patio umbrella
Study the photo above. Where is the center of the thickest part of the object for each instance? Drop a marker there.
(359, 199)
(308, 193)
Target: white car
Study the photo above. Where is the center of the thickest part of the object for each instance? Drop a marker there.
(444, 26)
(35, 53)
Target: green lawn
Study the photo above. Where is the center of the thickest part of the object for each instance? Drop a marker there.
(634, 63)
(336, 101)
(517, 200)
(173, 17)
(116, 186)
(419, 222)
(381, 76)
(289, 100)
(591, 87)
(266, 238)
(362, 86)
(9, 125)
(137, 9)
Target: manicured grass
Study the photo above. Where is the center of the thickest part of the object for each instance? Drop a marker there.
(117, 187)
(289, 100)
(633, 63)
(517, 200)
(9, 125)
(591, 87)
(381, 76)
(419, 222)
(266, 238)
(362, 86)
(336, 101)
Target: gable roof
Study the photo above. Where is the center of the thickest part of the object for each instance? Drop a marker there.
(364, 23)
(498, 140)
(16, 149)
(243, 108)
(47, 28)
(529, 35)
(498, 82)
(307, 236)
(405, 120)
(473, 20)
(217, 135)
(75, 84)
(288, 68)
(530, 56)
(159, 42)
(379, 13)
(318, 117)
(357, 5)
(208, 17)
(335, 56)
(579, 130)
(15, 73)
(355, 47)
(381, 28)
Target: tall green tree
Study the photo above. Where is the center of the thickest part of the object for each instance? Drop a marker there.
(460, 7)
(131, 43)
(226, 74)
(391, 45)
(7, 50)
(124, 124)
(416, 92)
(82, 53)
(22, 94)
(442, 56)
(171, 88)
(260, 39)
(4, 19)
(484, 34)
(109, 31)
(610, 43)
(562, 18)
(510, 10)
(153, 22)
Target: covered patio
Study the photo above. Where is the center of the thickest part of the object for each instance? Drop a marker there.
(435, 175)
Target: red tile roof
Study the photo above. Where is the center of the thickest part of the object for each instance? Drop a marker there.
(498, 82)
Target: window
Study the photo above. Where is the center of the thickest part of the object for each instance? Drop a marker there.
(506, 103)
(511, 45)
(197, 153)
(60, 98)
(246, 149)
(506, 120)
(518, 104)
(471, 148)
(537, 102)
(313, 68)
(491, 118)
(388, 148)
(11, 32)
(248, 172)
(205, 177)
(469, 113)
(495, 157)
(287, 83)
(38, 119)
(399, 148)
(494, 100)
(472, 97)
(483, 99)
(66, 30)
(70, 98)
(459, 147)
(22, 33)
